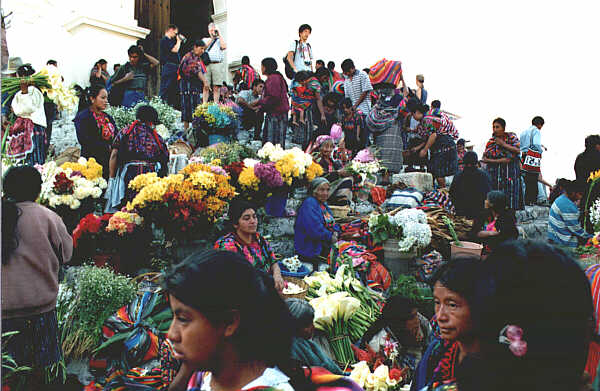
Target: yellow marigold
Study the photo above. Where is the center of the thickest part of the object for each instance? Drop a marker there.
(204, 179)
(313, 171)
(174, 179)
(216, 162)
(594, 176)
(248, 179)
(194, 167)
(150, 193)
(215, 206)
(143, 180)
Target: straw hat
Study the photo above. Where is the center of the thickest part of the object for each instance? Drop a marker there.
(13, 64)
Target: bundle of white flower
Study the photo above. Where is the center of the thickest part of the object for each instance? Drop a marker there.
(366, 170)
(293, 264)
(416, 233)
(595, 215)
(64, 97)
(379, 380)
(275, 153)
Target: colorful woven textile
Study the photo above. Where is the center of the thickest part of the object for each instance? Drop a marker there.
(428, 264)
(494, 151)
(386, 71)
(327, 381)
(338, 87)
(593, 275)
(440, 125)
(20, 138)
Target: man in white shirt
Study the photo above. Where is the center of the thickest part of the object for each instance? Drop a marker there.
(357, 87)
(251, 116)
(215, 71)
(300, 54)
(531, 138)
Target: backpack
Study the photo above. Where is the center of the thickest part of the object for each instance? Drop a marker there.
(289, 71)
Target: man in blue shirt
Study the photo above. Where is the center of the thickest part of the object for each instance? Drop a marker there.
(564, 229)
(532, 139)
(169, 62)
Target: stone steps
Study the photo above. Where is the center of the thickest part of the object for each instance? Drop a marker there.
(532, 222)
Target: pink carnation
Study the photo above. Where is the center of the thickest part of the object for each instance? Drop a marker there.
(268, 174)
(364, 156)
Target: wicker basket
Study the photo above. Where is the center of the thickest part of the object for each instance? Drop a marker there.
(340, 212)
(181, 148)
(298, 282)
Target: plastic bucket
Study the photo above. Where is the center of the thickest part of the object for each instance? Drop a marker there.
(217, 138)
(466, 249)
(275, 205)
(395, 261)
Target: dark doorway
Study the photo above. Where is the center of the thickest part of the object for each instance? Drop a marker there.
(192, 17)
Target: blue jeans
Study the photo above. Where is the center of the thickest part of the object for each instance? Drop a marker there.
(168, 79)
(131, 97)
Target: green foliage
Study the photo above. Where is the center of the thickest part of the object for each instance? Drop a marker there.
(227, 152)
(408, 286)
(98, 294)
(124, 116)
(10, 367)
(383, 229)
(450, 225)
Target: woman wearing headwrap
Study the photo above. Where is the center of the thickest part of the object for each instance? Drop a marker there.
(304, 350)
(340, 192)
(245, 239)
(315, 229)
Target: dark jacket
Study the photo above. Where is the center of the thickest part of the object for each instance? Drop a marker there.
(586, 163)
(469, 190)
(275, 95)
(506, 224)
(310, 231)
(90, 139)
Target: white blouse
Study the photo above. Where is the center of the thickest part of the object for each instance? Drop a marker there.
(30, 106)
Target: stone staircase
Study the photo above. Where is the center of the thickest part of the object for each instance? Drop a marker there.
(533, 222)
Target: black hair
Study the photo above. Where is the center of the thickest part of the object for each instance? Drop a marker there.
(323, 72)
(245, 60)
(397, 308)
(537, 121)
(500, 121)
(320, 62)
(412, 104)
(347, 64)
(215, 282)
(52, 62)
(302, 76)
(346, 103)
(572, 187)
(303, 314)
(20, 183)
(331, 65)
(257, 82)
(116, 65)
(331, 97)
(134, 49)
(498, 200)
(366, 70)
(147, 114)
(101, 61)
(25, 70)
(591, 142)
(172, 27)
(86, 95)
(270, 65)
(422, 108)
(459, 275)
(543, 291)
(436, 104)
(199, 43)
(470, 158)
(304, 27)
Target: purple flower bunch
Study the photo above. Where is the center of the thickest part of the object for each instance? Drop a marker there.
(218, 170)
(268, 174)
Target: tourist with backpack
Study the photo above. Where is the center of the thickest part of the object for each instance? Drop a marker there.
(300, 56)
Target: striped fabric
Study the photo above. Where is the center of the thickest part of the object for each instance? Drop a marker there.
(354, 88)
(437, 124)
(386, 71)
(407, 198)
(563, 223)
(338, 87)
(593, 275)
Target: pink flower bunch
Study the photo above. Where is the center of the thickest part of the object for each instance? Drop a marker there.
(268, 174)
(336, 132)
(364, 156)
(124, 222)
(218, 170)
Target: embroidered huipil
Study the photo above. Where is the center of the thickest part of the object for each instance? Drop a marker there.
(258, 253)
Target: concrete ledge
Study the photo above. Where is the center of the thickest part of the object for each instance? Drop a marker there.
(129, 30)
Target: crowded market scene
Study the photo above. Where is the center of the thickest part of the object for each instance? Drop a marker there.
(177, 221)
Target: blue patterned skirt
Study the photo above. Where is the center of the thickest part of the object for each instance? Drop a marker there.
(36, 345)
(506, 177)
(274, 129)
(191, 97)
(444, 158)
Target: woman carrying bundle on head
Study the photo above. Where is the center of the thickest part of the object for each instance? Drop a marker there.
(95, 129)
(26, 141)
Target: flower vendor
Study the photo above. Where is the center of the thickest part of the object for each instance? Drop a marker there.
(502, 158)
(304, 349)
(497, 223)
(26, 139)
(191, 81)
(340, 192)
(453, 296)
(274, 103)
(400, 336)
(438, 135)
(138, 149)
(533, 311)
(229, 324)
(35, 243)
(244, 239)
(95, 128)
(315, 228)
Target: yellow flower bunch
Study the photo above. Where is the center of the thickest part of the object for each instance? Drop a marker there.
(143, 180)
(224, 189)
(204, 179)
(594, 176)
(153, 192)
(313, 171)
(194, 167)
(90, 169)
(287, 168)
(228, 110)
(216, 162)
(247, 178)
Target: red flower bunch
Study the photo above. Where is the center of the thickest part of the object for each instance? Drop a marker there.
(234, 169)
(89, 226)
(183, 214)
(62, 184)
